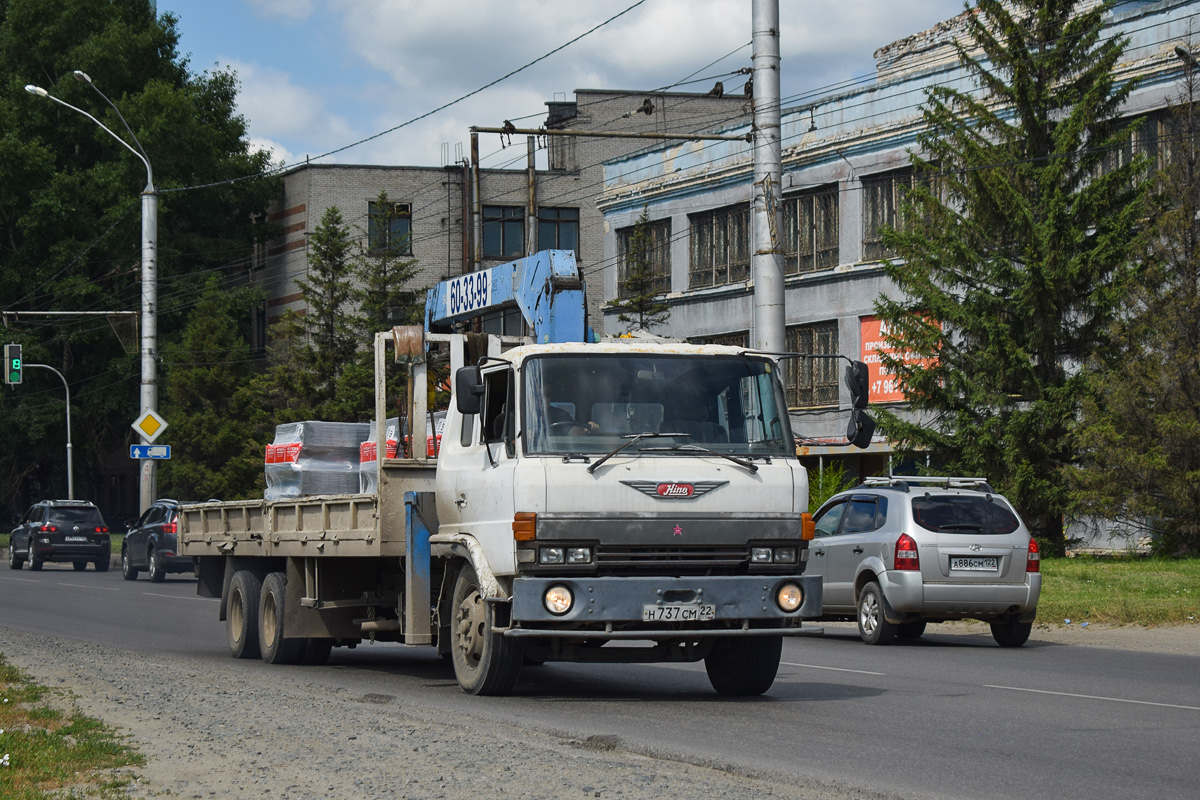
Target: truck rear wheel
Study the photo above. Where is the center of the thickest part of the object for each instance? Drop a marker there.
(275, 648)
(241, 618)
(485, 662)
(316, 651)
(745, 665)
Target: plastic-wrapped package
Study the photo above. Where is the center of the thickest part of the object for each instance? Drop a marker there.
(313, 457)
(369, 450)
(368, 454)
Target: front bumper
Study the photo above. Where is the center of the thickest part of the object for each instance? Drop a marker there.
(743, 605)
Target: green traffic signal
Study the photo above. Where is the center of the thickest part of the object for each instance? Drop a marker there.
(12, 363)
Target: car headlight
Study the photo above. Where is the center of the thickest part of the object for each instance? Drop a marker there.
(558, 599)
(550, 555)
(789, 597)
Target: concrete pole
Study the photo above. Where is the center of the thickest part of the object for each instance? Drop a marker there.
(767, 260)
(149, 392)
(531, 220)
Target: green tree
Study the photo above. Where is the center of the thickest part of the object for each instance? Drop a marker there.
(70, 221)
(216, 438)
(331, 321)
(640, 305)
(385, 272)
(1140, 429)
(1014, 246)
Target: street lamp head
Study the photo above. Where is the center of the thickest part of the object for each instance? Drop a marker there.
(39, 91)
(81, 76)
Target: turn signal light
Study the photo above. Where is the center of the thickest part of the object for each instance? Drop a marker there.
(808, 528)
(1034, 562)
(524, 526)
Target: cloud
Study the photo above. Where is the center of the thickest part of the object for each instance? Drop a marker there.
(283, 113)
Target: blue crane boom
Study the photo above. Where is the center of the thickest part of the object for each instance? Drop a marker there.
(545, 286)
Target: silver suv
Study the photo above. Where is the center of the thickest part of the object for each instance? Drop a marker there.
(898, 553)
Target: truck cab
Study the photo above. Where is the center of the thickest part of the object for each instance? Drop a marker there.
(625, 490)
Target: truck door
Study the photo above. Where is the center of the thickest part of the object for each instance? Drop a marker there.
(481, 474)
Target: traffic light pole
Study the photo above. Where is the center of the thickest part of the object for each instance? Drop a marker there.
(70, 469)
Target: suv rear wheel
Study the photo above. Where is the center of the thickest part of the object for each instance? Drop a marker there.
(873, 626)
(1009, 633)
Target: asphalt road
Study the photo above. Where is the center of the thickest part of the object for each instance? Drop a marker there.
(949, 716)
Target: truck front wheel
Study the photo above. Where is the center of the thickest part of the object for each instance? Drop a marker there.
(485, 662)
(241, 619)
(744, 666)
(275, 648)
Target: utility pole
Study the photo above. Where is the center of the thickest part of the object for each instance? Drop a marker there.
(766, 262)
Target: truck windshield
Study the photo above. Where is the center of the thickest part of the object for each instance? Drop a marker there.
(585, 404)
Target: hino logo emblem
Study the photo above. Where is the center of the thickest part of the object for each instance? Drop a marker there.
(675, 490)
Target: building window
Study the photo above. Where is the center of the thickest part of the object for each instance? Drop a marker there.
(558, 229)
(812, 382)
(389, 228)
(655, 245)
(1143, 141)
(882, 198)
(503, 232)
(735, 339)
(810, 231)
(720, 251)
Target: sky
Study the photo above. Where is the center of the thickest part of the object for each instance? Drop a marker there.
(319, 76)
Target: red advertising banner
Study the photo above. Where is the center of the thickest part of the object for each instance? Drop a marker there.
(884, 386)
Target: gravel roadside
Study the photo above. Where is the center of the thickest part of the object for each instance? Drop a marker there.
(247, 735)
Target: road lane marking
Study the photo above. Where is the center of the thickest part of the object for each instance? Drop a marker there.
(1093, 697)
(833, 669)
(24, 580)
(89, 586)
(178, 596)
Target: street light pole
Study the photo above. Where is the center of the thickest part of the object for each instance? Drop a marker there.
(70, 469)
(149, 388)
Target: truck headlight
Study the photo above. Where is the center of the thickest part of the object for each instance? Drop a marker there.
(785, 555)
(789, 596)
(558, 599)
(550, 555)
(579, 555)
(760, 555)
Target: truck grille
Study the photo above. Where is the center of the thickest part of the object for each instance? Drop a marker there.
(615, 556)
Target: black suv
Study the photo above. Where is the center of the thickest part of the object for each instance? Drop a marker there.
(60, 530)
(151, 543)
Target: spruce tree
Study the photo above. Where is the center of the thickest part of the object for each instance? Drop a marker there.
(1141, 419)
(641, 306)
(331, 320)
(1014, 247)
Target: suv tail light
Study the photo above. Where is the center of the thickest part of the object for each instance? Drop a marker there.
(170, 527)
(1034, 561)
(907, 557)
(48, 528)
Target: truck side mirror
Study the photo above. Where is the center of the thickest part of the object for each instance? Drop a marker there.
(861, 428)
(468, 390)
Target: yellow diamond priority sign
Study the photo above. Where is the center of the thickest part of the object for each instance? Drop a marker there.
(149, 425)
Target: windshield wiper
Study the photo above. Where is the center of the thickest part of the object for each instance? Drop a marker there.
(698, 449)
(632, 437)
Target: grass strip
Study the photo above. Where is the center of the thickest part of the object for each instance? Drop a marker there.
(49, 749)
(1121, 590)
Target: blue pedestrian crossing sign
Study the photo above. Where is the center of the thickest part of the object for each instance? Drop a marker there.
(143, 451)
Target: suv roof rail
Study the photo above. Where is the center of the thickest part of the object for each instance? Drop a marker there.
(902, 482)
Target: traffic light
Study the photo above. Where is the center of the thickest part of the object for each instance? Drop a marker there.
(12, 363)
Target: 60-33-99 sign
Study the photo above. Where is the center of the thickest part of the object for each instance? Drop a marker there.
(469, 292)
